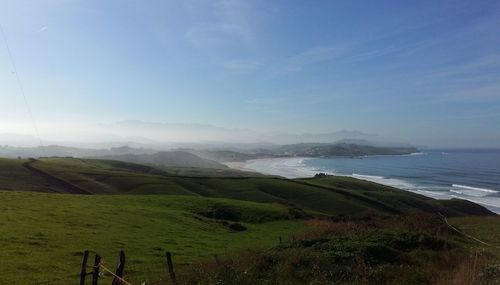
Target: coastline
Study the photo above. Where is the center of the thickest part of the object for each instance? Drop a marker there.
(288, 167)
(240, 165)
(294, 167)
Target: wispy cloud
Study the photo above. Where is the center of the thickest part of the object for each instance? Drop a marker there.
(371, 53)
(241, 65)
(311, 56)
(214, 34)
(475, 80)
(259, 101)
(275, 106)
(43, 29)
(343, 53)
(484, 93)
(473, 67)
(227, 22)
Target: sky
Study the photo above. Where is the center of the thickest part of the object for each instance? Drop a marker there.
(424, 72)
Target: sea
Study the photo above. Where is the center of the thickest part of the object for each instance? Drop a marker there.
(472, 175)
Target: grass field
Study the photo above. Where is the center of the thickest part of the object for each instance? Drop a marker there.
(192, 212)
(42, 235)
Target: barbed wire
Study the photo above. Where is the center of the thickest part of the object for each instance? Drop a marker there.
(110, 272)
(467, 235)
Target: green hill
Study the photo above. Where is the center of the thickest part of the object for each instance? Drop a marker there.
(196, 213)
(329, 196)
(166, 158)
(43, 235)
(410, 249)
(227, 155)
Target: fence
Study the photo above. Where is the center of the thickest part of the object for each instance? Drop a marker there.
(95, 273)
(98, 272)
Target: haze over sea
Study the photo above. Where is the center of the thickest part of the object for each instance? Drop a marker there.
(442, 174)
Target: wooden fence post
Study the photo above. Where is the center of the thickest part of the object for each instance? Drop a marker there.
(83, 270)
(117, 280)
(171, 268)
(216, 259)
(95, 273)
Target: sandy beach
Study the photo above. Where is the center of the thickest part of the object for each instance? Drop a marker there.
(290, 167)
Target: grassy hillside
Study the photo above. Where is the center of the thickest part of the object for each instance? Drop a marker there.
(410, 249)
(14, 176)
(167, 158)
(42, 235)
(486, 229)
(404, 201)
(147, 210)
(330, 195)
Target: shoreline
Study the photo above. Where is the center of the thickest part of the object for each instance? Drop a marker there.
(294, 167)
(243, 165)
(288, 167)
(240, 165)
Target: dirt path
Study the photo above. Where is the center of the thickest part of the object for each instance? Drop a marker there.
(53, 180)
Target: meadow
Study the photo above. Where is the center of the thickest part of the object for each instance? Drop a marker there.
(42, 235)
(197, 214)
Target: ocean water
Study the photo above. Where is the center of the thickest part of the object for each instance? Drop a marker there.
(442, 174)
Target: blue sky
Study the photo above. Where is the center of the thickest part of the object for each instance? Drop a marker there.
(427, 72)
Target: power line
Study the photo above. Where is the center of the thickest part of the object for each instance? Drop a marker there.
(20, 85)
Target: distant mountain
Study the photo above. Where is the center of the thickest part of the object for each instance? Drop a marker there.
(360, 148)
(339, 149)
(288, 138)
(179, 132)
(211, 155)
(165, 136)
(18, 140)
(122, 153)
(166, 159)
(229, 156)
(64, 151)
(373, 143)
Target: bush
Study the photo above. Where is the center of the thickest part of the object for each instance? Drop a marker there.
(222, 212)
(382, 251)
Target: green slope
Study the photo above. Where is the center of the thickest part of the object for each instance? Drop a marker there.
(167, 158)
(403, 201)
(42, 235)
(147, 210)
(330, 195)
(412, 249)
